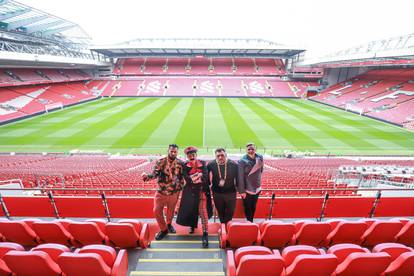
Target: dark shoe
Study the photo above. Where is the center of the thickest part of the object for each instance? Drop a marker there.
(171, 229)
(204, 240)
(160, 235)
(191, 231)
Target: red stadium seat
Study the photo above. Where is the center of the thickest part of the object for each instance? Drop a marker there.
(392, 249)
(346, 232)
(290, 253)
(19, 232)
(238, 234)
(128, 233)
(9, 246)
(31, 263)
(342, 251)
(100, 222)
(366, 264)
(312, 233)
(406, 234)
(381, 232)
(402, 266)
(249, 260)
(54, 250)
(53, 232)
(276, 234)
(306, 264)
(4, 269)
(97, 260)
(87, 233)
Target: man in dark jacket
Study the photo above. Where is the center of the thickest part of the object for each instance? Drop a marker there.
(223, 184)
(196, 198)
(250, 177)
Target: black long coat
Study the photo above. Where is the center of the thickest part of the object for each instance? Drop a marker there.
(188, 211)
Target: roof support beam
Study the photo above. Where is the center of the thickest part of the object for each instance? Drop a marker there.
(58, 30)
(24, 22)
(41, 27)
(12, 14)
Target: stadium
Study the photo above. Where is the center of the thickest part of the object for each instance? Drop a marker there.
(82, 124)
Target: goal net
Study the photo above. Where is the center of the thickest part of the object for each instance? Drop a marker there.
(53, 106)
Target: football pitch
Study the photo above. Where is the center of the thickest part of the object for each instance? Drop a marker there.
(148, 125)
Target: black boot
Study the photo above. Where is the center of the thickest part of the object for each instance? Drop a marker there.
(204, 240)
(171, 229)
(160, 235)
(191, 231)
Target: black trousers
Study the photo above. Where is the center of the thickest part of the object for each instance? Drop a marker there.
(225, 204)
(249, 204)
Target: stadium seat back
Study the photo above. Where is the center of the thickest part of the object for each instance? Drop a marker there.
(9, 246)
(402, 266)
(18, 232)
(276, 235)
(52, 232)
(312, 233)
(250, 250)
(347, 232)
(406, 234)
(54, 250)
(392, 249)
(85, 264)
(306, 264)
(107, 253)
(342, 251)
(265, 265)
(367, 264)
(381, 232)
(31, 263)
(290, 253)
(135, 223)
(122, 235)
(87, 233)
(242, 234)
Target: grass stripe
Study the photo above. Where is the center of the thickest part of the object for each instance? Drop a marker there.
(191, 130)
(104, 124)
(401, 138)
(138, 134)
(296, 137)
(344, 136)
(239, 130)
(50, 128)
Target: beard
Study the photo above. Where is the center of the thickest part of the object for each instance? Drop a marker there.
(172, 158)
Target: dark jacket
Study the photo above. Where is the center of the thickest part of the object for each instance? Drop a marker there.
(188, 211)
(250, 181)
(231, 177)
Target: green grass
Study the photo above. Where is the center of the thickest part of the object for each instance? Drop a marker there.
(148, 125)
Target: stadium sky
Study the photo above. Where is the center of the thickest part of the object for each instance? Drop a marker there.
(321, 26)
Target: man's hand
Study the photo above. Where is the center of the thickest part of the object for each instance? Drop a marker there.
(243, 195)
(144, 176)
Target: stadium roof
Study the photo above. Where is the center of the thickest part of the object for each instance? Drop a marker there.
(18, 17)
(388, 52)
(198, 47)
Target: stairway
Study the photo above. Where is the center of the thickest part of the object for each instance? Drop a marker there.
(181, 255)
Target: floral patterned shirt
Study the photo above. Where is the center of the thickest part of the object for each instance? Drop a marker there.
(169, 175)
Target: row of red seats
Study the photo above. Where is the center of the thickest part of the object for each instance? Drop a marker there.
(278, 234)
(57, 260)
(125, 233)
(390, 259)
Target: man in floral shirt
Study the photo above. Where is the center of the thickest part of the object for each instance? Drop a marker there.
(169, 174)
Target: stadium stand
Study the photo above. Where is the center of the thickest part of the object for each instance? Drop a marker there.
(386, 94)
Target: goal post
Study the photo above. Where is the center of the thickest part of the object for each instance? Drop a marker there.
(53, 106)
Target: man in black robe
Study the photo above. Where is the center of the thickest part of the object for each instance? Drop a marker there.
(196, 198)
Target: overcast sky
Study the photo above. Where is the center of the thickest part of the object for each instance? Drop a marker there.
(321, 26)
